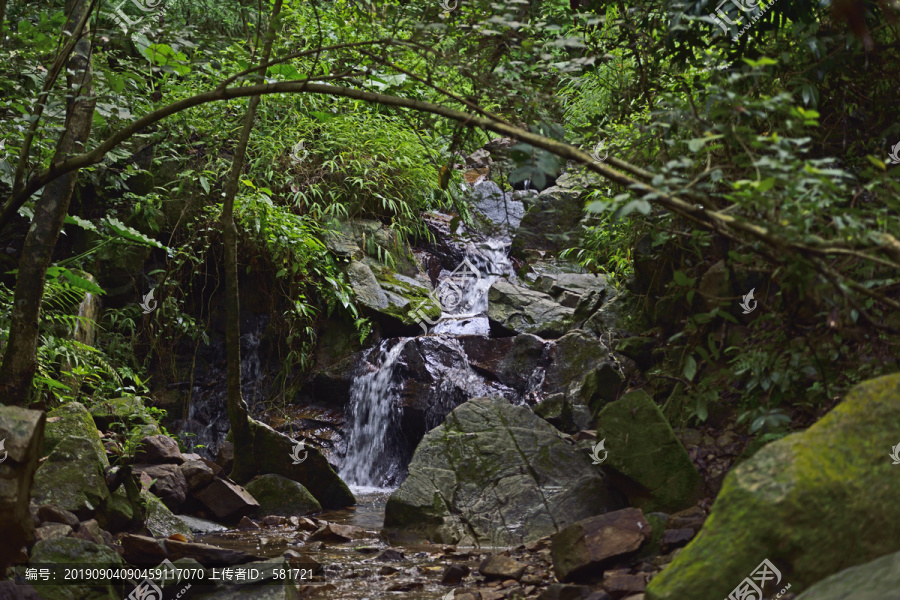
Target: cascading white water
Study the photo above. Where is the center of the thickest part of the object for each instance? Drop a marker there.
(372, 415)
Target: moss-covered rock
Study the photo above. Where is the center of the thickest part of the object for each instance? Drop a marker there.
(813, 503)
(129, 411)
(519, 309)
(159, 521)
(494, 474)
(73, 476)
(74, 552)
(272, 453)
(391, 298)
(582, 368)
(643, 447)
(71, 419)
(279, 495)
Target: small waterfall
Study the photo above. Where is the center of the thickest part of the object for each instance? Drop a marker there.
(373, 416)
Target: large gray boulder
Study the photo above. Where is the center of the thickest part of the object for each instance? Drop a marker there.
(73, 477)
(22, 433)
(71, 419)
(279, 495)
(519, 309)
(495, 474)
(395, 301)
(875, 580)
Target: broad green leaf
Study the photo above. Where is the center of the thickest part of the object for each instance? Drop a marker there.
(690, 368)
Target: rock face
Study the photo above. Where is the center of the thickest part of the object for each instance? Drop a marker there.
(817, 501)
(494, 473)
(519, 309)
(875, 580)
(643, 447)
(73, 476)
(584, 548)
(582, 369)
(272, 452)
(391, 298)
(22, 431)
(69, 419)
(279, 495)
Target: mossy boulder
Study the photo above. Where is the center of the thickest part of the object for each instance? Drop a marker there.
(272, 453)
(159, 521)
(813, 503)
(562, 414)
(74, 552)
(643, 447)
(393, 300)
(73, 476)
(71, 419)
(582, 369)
(875, 580)
(279, 495)
(129, 412)
(494, 474)
(518, 309)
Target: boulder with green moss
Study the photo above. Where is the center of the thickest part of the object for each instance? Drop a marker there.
(279, 495)
(643, 448)
(73, 476)
(272, 453)
(494, 474)
(159, 521)
(125, 413)
(813, 503)
(390, 298)
(71, 419)
(875, 580)
(74, 552)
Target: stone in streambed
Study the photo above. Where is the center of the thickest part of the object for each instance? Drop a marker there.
(494, 473)
(333, 532)
(272, 453)
(227, 500)
(454, 574)
(159, 520)
(169, 484)
(499, 566)
(279, 495)
(813, 503)
(585, 548)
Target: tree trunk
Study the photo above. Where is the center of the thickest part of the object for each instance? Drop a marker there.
(19, 362)
(244, 462)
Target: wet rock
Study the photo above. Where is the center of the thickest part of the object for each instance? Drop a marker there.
(780, 498)
(302, 561)
(390, 555)
(559, 412)
(50, 513)
(226, 500)
(246, 524)
(389, 300)
(206, 555)
(675, 538)
(533, 483)
(454, 574)
(333, 532)
(142, 550)
(196, 474)
(516, 362)
(158, 449)
(387, 570)
(159, 520)
(582, 368)
(643, 447)
(305, 524)
(586, 547)
(129, 411)
(169, 483)
(51, 531)
(279, 495)
(519, 309)
(272, 453)
(565, 591)
(550, 223)
(90, 530)
(73, 477)
(405, 586)
(499, 566)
